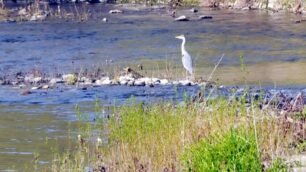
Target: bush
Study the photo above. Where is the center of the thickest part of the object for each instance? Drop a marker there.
(230, 152)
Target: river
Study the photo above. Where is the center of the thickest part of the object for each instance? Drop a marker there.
(272, 44)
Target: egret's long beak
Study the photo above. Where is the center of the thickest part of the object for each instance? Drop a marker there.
(177, 37)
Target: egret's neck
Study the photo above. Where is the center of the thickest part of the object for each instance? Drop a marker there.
(183, 45)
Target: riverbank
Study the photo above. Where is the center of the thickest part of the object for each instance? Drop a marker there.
(86, 11)
(215, 134)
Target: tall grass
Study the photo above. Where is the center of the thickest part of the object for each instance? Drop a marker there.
(219, 135)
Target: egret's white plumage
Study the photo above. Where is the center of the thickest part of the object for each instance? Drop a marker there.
(186, 59)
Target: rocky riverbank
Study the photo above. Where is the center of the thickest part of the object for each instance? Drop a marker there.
(36, 80)
(87, 11)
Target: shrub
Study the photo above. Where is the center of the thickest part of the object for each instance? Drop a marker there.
(232, 151)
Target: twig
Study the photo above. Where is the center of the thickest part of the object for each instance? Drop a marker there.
(213, 71)
(210, 76)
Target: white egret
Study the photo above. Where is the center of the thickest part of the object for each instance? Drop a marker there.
(186, 59)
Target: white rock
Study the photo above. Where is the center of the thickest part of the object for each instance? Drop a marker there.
(28, 78)
(86, 83)
(105, 78)
(22, 86)
(194, 10)
(155, 80)
(185, 83)
(130, 83)
(146, 80)
(35, 88)
(37, 17)
(98, 82)
(37, 79)
(54, 81)
(106, 82)
(164, 81)
(84, 79)
(181, 18)
(175, 83)
(126, 78)
(116, 11)
(123, 82)
(104, 19)
(140, 82)
(45, 87)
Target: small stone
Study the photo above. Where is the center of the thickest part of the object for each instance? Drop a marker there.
(185, 83)
(22, 86)
(37, 79)
(194, 10)
(85, 79)
(14, 83)
(123, 82)
(87, 83)
(126, 78)
(175, 83)
(54, 81)
(164, 82)
(181, 18)
(155, 80)
(139, 83)
(28, 78)
(105, 20)
(98, 82)
(245, 8)
(130, 83)
(116, 11)
(146, 80)
(45, 87)
(35, 88)
(106, 82)
(202, 17)
(38, 16)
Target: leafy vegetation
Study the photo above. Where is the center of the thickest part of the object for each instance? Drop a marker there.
(235, 151)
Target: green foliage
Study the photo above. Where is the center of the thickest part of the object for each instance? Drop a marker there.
(134, 123)
(278, 166)
(234, 151)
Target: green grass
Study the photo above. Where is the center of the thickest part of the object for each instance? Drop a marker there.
(234, 151)
(216, 135)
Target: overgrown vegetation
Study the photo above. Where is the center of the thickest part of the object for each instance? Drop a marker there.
(215, 135)
(234, 151)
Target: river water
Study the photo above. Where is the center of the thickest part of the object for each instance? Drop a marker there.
(272, 44)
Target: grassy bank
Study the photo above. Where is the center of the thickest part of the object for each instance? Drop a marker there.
(215, 135)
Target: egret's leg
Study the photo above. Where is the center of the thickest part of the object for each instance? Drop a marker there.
(186, 75)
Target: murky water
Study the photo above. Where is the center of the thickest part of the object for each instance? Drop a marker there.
(272, 44)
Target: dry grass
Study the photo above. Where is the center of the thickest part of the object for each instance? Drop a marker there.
(156, 137)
